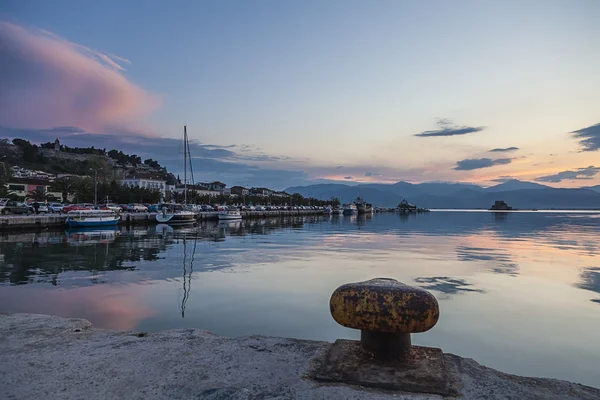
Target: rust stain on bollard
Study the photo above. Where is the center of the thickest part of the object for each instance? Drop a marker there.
(386, 312)
(384, 305)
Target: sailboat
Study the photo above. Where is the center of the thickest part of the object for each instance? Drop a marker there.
(177, 214)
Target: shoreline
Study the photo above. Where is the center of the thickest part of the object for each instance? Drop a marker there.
(46, 356)
(18, 223)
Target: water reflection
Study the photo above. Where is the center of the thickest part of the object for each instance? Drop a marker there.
(275, 276)
(447, 285)
(590, 280)
(501, 262)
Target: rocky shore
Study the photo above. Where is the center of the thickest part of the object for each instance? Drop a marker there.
(57, 358)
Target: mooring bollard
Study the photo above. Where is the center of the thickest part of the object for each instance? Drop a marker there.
(386, 312)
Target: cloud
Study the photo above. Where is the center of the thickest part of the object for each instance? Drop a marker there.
(372, 174)
(477, 163)
(46, 81)
(503, 150)
(340, 167)
(580, 173)
(447, 128)
(589, 138)
(347, 178)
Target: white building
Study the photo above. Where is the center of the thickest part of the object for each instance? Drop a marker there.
(145, 183)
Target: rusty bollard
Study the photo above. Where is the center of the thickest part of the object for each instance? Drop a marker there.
(386, 312)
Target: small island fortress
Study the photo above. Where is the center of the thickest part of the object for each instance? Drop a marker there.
(500, 205)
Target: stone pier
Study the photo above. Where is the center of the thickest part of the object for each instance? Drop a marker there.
(45, 357)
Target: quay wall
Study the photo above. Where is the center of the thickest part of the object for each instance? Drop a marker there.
(15, 223)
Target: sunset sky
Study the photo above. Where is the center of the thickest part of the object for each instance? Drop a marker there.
(281, 93)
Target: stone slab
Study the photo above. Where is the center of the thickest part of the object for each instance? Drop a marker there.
(45, 357)
(423, 372)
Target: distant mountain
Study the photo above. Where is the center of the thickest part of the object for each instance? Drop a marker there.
(515, 184)
(594, 188)
(442, 195)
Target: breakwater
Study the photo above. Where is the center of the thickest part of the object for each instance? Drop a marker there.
(15, 223)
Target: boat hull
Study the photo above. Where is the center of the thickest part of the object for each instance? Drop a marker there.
(175, 218)
(92, 223)
(229, 217)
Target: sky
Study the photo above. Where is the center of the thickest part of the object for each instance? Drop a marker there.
(285, 93)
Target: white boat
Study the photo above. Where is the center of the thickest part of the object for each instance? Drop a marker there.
(337, 211)
(92, 218)
(175, 214)
(349, 209)
(327, 210)
(226, 214)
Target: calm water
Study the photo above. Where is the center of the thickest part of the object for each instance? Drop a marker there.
(518, 291)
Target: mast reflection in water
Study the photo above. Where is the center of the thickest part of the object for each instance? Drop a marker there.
(490, 273)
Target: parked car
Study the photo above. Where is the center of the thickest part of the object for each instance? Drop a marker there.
(15, 207)
(111, 207)
(136, 207)
(74, 207)
(55, 207)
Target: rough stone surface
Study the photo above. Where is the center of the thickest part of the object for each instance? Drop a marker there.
(423, 371)
(44, 357)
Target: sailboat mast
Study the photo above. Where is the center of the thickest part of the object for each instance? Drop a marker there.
(185, 164)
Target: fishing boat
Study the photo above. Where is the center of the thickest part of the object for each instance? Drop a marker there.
(349, 209)
(226, 214)
(362, 207)
(180, 214)
(92, 218)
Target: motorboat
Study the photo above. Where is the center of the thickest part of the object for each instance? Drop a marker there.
(92, 218)
(175, 214)
(349, 209)
(226, 214)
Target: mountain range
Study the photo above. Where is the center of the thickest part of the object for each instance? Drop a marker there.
(518, 194)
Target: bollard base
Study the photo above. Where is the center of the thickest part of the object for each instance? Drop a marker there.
(424, 371)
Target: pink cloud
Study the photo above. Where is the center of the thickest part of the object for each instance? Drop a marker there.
(47, 81)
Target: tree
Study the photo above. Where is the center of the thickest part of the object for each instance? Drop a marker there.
(63, 185)
(39, 194)
(83, 189)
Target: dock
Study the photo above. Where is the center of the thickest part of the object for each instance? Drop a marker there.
(16, 223)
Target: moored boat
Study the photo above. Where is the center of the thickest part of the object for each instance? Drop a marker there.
(175, 214)
(349, 209)
(227, 214)
(362, 207)
(92, 218)
(327, 210)
(337, 211)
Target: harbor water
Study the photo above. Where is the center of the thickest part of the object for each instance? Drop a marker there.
(518, 291)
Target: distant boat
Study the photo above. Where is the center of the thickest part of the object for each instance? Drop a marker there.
(349, 209)
(175, 214)
(327, 210)
(500, 205)
(337, 211)
(362, 207)
(92, 218)
(226, 214)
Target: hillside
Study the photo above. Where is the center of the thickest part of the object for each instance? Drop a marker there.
(518, 194)
(59, 159)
